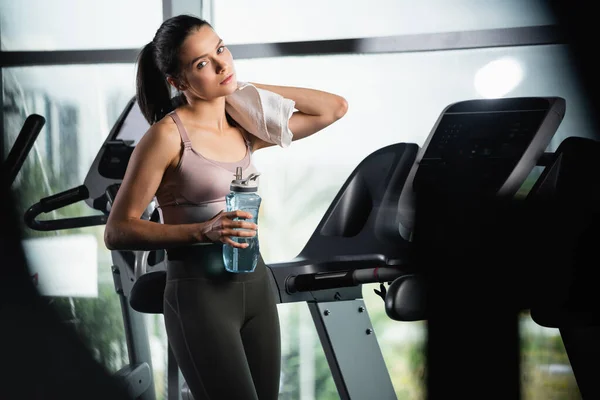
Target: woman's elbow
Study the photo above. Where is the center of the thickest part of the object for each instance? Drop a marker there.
(340, 109)
(111, 237)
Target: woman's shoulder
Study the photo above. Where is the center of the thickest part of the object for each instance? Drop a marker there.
(162, 135)
(164, 130)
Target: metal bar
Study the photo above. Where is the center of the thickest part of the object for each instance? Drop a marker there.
(2, 133)
(352, 351)
(22, 146)
(528, 36)
(334, 367)
(134, 323)
(62, 57)
(167, 9)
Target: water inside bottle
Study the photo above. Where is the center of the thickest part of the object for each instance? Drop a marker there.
(242, 260)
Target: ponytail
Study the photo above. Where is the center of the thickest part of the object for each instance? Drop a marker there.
(159, 59)
(153, 92)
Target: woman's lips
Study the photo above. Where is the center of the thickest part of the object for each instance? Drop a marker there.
(227, 80)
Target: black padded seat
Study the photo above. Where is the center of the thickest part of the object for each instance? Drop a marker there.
(148, 291)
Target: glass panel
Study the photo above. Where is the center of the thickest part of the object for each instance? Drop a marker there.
(546, 372)
(157, 337)
(392, 98)
(266, 21)
(72, 267)
(305, 373)
(80, 105)
(76, 25)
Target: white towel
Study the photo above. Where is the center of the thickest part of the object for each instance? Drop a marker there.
(262, 113)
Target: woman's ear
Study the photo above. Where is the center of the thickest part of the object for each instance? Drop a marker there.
(176, 83)
(172, 81)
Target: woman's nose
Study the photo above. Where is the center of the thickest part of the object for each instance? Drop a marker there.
(222, 66)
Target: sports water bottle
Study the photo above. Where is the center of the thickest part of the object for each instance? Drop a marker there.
(243, 196)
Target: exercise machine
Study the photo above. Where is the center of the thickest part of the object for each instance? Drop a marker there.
(35, 338)
(366, 235)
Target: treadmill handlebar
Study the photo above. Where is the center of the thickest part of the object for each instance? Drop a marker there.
(60, 200)
(64, 199)
(22, 146)
(337, 279)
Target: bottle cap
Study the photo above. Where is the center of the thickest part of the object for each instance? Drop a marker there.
(250, 184)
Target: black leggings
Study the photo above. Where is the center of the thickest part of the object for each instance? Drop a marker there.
(223, 327)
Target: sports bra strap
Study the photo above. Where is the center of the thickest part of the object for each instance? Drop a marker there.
(180, 127)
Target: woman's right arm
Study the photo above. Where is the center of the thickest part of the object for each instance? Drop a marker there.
(125, 230)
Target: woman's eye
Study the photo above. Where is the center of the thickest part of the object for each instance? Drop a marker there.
(220, 49)
(201, 64)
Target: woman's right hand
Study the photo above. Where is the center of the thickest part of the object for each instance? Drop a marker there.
(222, 227)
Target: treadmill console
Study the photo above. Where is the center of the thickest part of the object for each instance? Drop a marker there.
(490, 146)
(111, 162)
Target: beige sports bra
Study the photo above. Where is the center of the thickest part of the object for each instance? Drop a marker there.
(195, 191)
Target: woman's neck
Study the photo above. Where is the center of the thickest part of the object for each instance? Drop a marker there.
(207, 113)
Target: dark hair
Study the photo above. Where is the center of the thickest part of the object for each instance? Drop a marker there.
(159, 59)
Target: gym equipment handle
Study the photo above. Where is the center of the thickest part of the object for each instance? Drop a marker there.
(22, 146)
(330, 280)
(57, 201)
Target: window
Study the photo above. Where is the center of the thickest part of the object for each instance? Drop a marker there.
(78, 25)
(80, 105)
(267, 21)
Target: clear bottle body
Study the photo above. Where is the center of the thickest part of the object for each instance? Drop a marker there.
(240, 260)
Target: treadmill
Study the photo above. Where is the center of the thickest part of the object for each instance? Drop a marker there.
(365, 236)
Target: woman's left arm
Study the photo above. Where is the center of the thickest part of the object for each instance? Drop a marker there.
(316, 110)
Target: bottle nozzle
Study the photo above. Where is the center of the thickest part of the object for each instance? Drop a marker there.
(251, 177)
(238, 173)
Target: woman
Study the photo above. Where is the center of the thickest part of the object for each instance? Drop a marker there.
(223, 327)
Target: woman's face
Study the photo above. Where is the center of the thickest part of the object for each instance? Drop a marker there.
(207, 69)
